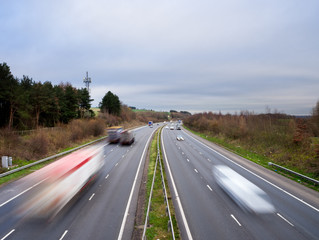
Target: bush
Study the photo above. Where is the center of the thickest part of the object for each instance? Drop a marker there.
(39, 144)
(96, 127)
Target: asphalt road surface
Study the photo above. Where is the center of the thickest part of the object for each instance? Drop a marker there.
(205, 211)
(104, 210)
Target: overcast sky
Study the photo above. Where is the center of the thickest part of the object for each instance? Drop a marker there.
(192, 55)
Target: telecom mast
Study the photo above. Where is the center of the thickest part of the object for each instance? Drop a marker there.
(87, 81)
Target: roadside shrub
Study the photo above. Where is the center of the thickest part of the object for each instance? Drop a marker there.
(96, 127)
(39, 144)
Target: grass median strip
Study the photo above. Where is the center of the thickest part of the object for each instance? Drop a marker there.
(158, 224)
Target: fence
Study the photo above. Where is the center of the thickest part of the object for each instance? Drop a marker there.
(294, 173)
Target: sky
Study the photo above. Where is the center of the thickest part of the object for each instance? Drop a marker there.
(184, 55)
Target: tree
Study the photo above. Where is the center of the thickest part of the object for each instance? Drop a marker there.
(110, 104)
(25, 109)
(68, 103)
(84, 101)
(8, 95)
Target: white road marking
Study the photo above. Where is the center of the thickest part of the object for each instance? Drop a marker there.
(209, 187)
(285, 220)
(91, 197)
(8, 234)
(123, 156)
(116, 164)
(182, 152)
(66, 231)
(187, 160)
(107, 176)
(132, 190)
(195, 170)
(209, 160)
(265, 180)
(188, 232)
(235, 219)
(22, 193)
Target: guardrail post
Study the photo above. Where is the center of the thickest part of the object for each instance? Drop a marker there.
(5, 161)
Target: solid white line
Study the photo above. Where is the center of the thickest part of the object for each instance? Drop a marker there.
(235, 219)
(8, 234)
(195, 170)
(285, 220)
(21, 193)
(107, 176)
(66, 231)
(188, 232)
(132, 190)
(91, 197)
(209, 187)
(116, 164)
(272, 184)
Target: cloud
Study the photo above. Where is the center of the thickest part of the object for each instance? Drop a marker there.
(184, 55)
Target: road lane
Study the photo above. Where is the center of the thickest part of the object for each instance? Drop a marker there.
(98, 211)
(191, 163)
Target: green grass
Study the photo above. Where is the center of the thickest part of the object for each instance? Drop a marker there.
(158, 221)
(96, 110)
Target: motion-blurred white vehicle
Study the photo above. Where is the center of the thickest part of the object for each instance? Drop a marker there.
(61, 181)
(246, 194)
(179, 138)
(172, 127)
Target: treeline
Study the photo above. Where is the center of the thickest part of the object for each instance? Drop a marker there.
(126, 116)
(26, 104)
(285, 139)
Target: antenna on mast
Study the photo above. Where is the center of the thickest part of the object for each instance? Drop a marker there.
(87, 81)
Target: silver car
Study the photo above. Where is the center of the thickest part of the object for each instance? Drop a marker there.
(246, 194)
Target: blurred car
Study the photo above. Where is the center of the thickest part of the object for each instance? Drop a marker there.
(114, 134)
(172, 127)
(180, 138)
(127, 137)
(246, 194)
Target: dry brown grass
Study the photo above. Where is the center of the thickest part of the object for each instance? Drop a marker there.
(43, 142)
(283, 139)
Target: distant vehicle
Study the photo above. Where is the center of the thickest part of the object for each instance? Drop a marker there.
(60, 182)
(172, 127)
(127, 137)
(246, 194)
(114, 134)
(150, 124)
(178, 127)
(180, 138)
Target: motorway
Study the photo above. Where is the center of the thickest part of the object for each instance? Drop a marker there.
(205, 211)
(105, 210)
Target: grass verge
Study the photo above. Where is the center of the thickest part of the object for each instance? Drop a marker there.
(158, 219)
